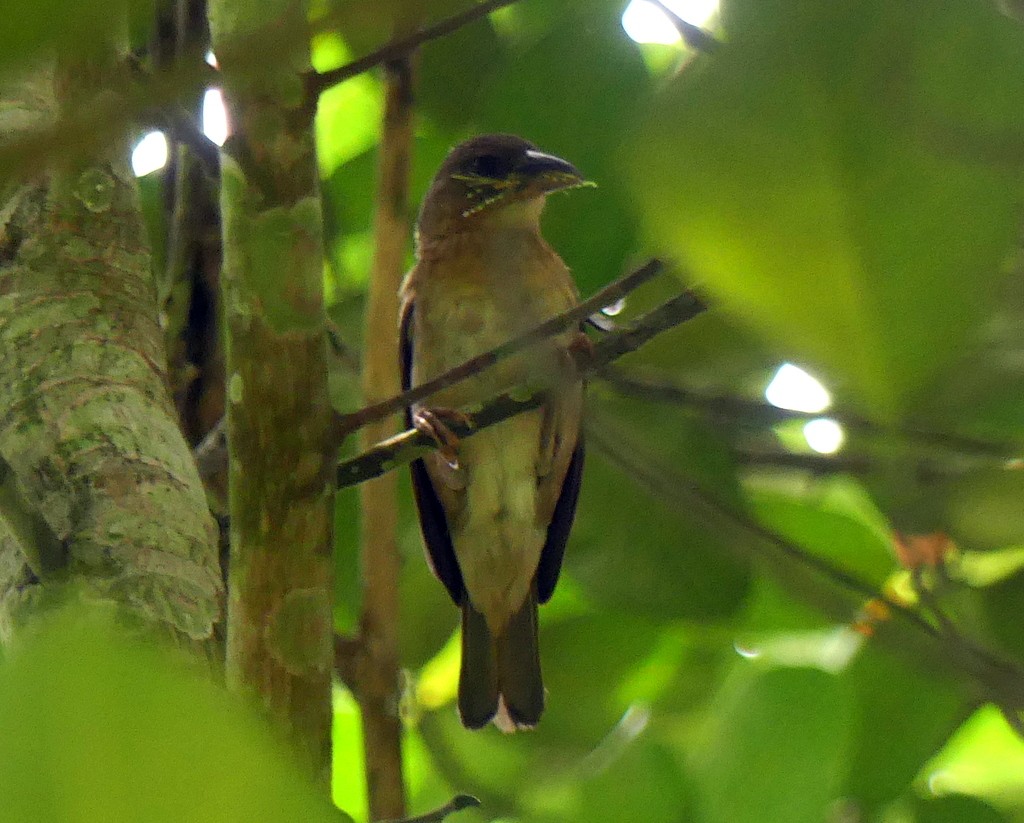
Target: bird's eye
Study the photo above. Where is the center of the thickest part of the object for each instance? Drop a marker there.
(491, 166)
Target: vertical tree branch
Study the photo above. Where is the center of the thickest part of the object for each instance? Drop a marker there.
(379, 688)
(280, 490)
(86, 423)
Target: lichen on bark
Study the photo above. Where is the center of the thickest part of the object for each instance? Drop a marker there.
(86, 422)
(281, 459)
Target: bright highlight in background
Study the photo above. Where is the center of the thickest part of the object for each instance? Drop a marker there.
(644, 22)
(793, 388)
(823, 435)
(215, 117)
(150, 153)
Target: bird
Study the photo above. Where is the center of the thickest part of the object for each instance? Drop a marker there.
(496, 508)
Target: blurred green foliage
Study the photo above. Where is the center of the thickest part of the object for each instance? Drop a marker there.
(97, 725)
(829, 177)
(843, 180)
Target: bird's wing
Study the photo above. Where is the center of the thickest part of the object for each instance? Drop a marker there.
(559, 489)
(433, 522)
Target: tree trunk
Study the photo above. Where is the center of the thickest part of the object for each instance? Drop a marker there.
(101, 489)
(280, 486)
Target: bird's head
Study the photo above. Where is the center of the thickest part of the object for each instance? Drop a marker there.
(493, 179)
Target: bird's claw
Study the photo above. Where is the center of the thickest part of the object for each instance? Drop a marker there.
(579, 351)
(436, 423)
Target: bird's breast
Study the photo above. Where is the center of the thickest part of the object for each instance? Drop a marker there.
(473, 300)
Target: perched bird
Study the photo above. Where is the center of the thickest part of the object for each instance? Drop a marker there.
(496, 508)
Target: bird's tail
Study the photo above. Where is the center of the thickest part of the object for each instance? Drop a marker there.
(500, 675)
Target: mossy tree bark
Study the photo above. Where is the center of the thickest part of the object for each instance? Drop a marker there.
(280, 479)
(101, 490)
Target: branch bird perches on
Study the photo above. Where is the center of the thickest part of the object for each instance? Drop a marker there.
(411, 444)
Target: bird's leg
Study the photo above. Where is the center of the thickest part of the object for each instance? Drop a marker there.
(435, 423)
(580, 346)
(571, 356)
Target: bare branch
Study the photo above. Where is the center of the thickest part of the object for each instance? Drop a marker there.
(411, 444)
(317, 83)
(815, 463)
(379, 685)
(694, 36)
(86, 131)
(348, 658)
(456, 804)
(664, 391)
(1001, 680)
(136, 99)
(181, 127)
(346, 424)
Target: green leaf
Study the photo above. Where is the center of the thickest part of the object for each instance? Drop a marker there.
(830, 176)
(905, 716)
(483, 763)
(776, 747)
(982, 393)
(984, 758)
(34, 26)
(590, 663)
(826, 523)
(956, 809)
(772, 609)
(634, 555)
(711, 353)
(1003, 608)
(348, 194)
(428, 616)
(347, 115)
(587, 732)
(643, 783)
(573, 91)
(449, 94)
(96, 727)
(984, 511)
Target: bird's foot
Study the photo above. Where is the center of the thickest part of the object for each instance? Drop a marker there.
(436, 424)
(579, 351)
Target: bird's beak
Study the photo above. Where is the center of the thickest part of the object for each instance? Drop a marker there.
(546, 173)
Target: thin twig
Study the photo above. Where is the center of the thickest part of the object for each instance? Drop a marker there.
(815, 463)
(317, 83)
(378, 687)
(694, 36)
(348, 658)
(348, 423)
(456, 804)
(930, 601)
(84, 132)
(664, 391)
(1001, 680)
(411, 444)
(180, 126)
